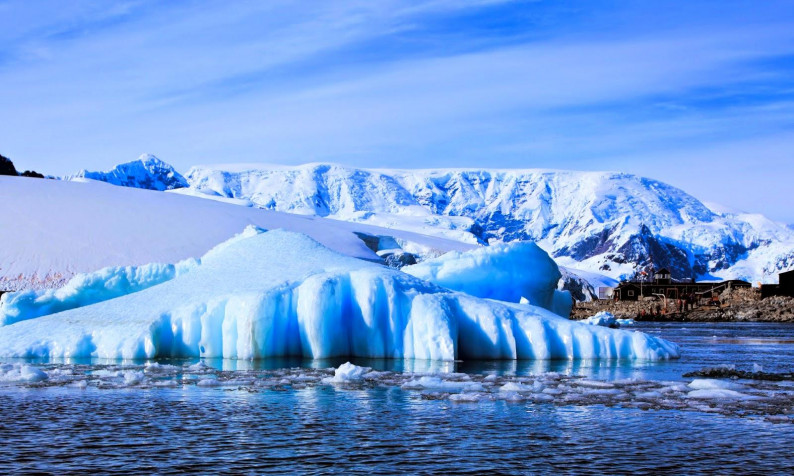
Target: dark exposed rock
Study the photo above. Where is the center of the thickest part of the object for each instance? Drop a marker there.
(31, 173)
(579, 288)
(737, 305)
(400, 259)
(729, 372)
(7, 167)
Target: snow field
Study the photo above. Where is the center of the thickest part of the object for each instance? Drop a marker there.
(278, 293)
(51, 230)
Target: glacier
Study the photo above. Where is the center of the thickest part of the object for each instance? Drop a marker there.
(505, 272)
(280, 293)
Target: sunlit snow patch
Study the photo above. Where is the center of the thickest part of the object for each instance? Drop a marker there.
(280, 293)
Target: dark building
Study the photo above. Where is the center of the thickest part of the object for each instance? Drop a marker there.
(785, 288)
(663, 287)
(786, 281)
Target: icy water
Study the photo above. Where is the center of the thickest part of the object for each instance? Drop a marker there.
(410, 417)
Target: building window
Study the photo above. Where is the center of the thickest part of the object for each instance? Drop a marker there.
(631, 293)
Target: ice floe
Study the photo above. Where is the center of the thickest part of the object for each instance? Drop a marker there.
(763, 399)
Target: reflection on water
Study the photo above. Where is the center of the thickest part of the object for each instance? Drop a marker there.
(278, 416)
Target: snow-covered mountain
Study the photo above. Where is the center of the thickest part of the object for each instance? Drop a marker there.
(610, 223)
(147, 172)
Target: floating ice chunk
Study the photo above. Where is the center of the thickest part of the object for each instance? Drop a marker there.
(198, 366)
(518, 272)
(718, 394)
(594, 384)
(714, 384)
(651, 395)
(515, 387)
(469, 397)
(104, 373)
(133, 377)
(21, 373)
(603, 318)
(347, 372)
(757, 368)
(435, 383)
(283, 294)
(625, 322)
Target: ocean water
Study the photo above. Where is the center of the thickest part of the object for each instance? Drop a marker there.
(411, 417)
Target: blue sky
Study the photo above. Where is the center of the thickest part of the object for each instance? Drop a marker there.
(699, 94)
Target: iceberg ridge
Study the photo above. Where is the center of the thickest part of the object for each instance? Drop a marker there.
(280, 293)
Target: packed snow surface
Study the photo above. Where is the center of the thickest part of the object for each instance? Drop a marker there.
(506, 272)
(279, 293)
(51, 230)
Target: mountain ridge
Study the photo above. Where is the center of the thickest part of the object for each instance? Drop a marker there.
(148, 172)
(611, 223)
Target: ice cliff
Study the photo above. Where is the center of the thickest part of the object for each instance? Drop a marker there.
(281, 293)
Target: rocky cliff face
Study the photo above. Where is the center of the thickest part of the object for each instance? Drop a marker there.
(7, 167)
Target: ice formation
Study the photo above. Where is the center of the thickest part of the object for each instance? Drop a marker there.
(279, 293)
(87, 288)
(346, 373)
(513, 272)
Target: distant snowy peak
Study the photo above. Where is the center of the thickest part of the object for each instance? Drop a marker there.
(603, 222)
(147, 172)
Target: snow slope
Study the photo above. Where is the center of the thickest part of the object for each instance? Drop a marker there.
(52, 229)
(601, 222)
(281, 293)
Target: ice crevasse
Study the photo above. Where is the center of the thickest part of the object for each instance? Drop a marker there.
(278, 293)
